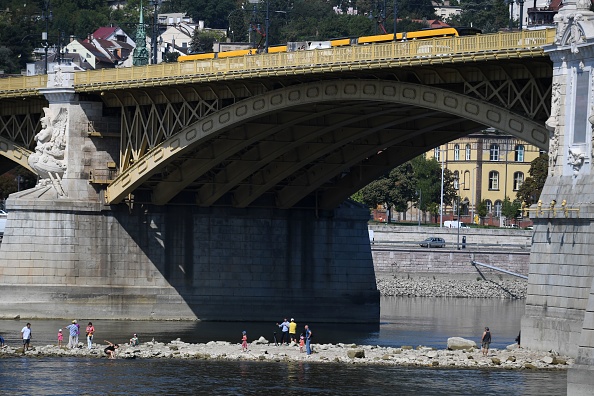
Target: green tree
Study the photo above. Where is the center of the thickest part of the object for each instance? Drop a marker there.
(487, 15)
(529, 192)
(428, 181)
(393, 191)
(213, 13)
(202, 41)
(510, 209)
(481, 210)
(9, 182)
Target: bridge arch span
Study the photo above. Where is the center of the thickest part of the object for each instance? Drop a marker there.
(331, 137)
(15, 153)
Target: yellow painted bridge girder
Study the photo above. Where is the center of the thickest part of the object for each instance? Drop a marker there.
(16, 153)
(334, 91)
(450, 50)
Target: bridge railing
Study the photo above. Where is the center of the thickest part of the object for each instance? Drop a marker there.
(399, 52)
(362, 56)
(23, 83)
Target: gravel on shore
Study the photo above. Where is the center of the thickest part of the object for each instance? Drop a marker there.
(512, 358)
(403, 286)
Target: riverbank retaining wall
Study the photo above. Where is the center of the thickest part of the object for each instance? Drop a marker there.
(396, 251)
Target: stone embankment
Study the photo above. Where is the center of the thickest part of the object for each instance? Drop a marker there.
(262, 350)
(443, 287)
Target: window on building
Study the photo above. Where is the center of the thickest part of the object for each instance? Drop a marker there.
(519, 153)
(457, 152)
(456, 179)
(498, 205)
(494, 152)
(436, 154)
(467, 180)
(468, 152)
(518, 180)
(489, 205)
(493, 180)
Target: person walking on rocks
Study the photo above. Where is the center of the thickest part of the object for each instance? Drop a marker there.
(90, 331)
(60, 338)
(110, 351)
(244, 344)
(301, 342)
(285, 331)
(26, 335)
(486, 341)
(293, 331)
(308, 340)
(73, 335)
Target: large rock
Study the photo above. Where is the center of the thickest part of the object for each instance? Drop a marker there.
(459, 343)
(356, 353)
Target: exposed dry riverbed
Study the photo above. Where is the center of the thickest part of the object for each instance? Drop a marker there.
(512, 358)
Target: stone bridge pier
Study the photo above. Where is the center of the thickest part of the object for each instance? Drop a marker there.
(66, 254)
(560, 303)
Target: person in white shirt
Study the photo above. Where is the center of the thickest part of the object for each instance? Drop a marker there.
(26, 333)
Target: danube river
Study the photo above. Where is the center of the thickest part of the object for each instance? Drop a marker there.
(404, 321)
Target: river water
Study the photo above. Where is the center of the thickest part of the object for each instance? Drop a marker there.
(404, 321)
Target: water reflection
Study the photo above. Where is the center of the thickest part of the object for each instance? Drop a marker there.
(404, 321)
(69, 376)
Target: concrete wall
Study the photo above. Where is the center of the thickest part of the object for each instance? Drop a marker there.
(474, 236)
(70, 259)
(403, 261)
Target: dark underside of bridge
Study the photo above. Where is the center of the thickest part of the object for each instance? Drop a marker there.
(317, 155)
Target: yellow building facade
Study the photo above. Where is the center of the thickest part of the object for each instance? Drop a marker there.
(489, 166)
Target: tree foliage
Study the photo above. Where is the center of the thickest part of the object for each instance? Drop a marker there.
(509, 209)
(417, 182)
(530, 190)
(487, 15)
(10, 183)
(202, 41)
(481, 210)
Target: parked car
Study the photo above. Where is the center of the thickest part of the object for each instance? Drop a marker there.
(433, 242)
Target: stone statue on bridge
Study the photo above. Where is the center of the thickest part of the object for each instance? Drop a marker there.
(48, 159)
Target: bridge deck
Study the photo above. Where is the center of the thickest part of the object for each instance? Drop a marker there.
(387, 55)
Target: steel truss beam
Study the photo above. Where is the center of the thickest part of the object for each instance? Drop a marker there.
(263, 136)
(17, 154)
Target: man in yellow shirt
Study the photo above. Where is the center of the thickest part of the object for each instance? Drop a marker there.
(293, 331)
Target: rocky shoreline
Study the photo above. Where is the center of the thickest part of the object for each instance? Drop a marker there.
(421, 286)
(460, 354)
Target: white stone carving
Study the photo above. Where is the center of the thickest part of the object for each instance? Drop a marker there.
(583, 4)
(569, 31)
(48, 159)
(576, 160)
(552, 125)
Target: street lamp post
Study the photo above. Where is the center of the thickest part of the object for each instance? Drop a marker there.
(44, 35)
(155, 4)
(521, 2)
(459, 223)
(395, 19)
(511, 15)
(267, 26)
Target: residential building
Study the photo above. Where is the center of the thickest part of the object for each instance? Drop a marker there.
(488, 166)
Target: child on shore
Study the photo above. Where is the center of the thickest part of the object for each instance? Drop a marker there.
(301, 342)
(244, 345)
(60, 338)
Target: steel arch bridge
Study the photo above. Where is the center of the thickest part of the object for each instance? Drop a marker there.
(288, 132)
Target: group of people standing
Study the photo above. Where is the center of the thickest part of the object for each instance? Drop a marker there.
(289, 333)
(74, 332)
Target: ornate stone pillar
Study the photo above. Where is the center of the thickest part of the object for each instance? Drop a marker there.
(64, 150)
(560, 302)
